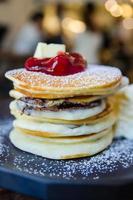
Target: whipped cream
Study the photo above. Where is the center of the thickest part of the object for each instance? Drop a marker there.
(124, 125)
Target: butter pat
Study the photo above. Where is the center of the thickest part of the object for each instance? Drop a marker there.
(44, 50)
(41, 50)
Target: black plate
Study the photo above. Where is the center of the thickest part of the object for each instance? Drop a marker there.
(106, 175)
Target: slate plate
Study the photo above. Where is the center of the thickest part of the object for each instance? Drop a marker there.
(108, 171)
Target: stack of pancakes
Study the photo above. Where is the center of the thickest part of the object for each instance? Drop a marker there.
(62, 117)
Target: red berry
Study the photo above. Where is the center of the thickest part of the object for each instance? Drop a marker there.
(61, 65)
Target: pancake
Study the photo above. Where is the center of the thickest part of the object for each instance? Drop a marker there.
(15, 94)
(57, 150)
(82, 99)
(107, 112)
(71, 139)
(44, 95)
(68, 114)
(43, 129)
(96, 80)
(18, 93)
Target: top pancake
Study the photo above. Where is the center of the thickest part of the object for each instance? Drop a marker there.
(95, 80)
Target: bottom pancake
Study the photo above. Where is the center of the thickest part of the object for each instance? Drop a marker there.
(57, 150)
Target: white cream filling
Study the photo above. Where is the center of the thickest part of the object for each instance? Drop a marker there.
(124, 125)
(124, 128)
(76, 114)
(64, 130)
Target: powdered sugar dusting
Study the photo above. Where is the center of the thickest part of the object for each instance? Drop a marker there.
(5, 126)
(4, 152)
(94, 76)
(119, 155)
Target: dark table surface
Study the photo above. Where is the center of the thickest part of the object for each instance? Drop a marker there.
(8, 195)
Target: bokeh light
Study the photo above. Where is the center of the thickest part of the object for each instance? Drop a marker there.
(110, 4)
(127, 10)
(75, 26)
(128, 23)
(116, 11)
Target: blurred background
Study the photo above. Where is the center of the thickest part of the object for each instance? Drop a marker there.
(101, 30)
